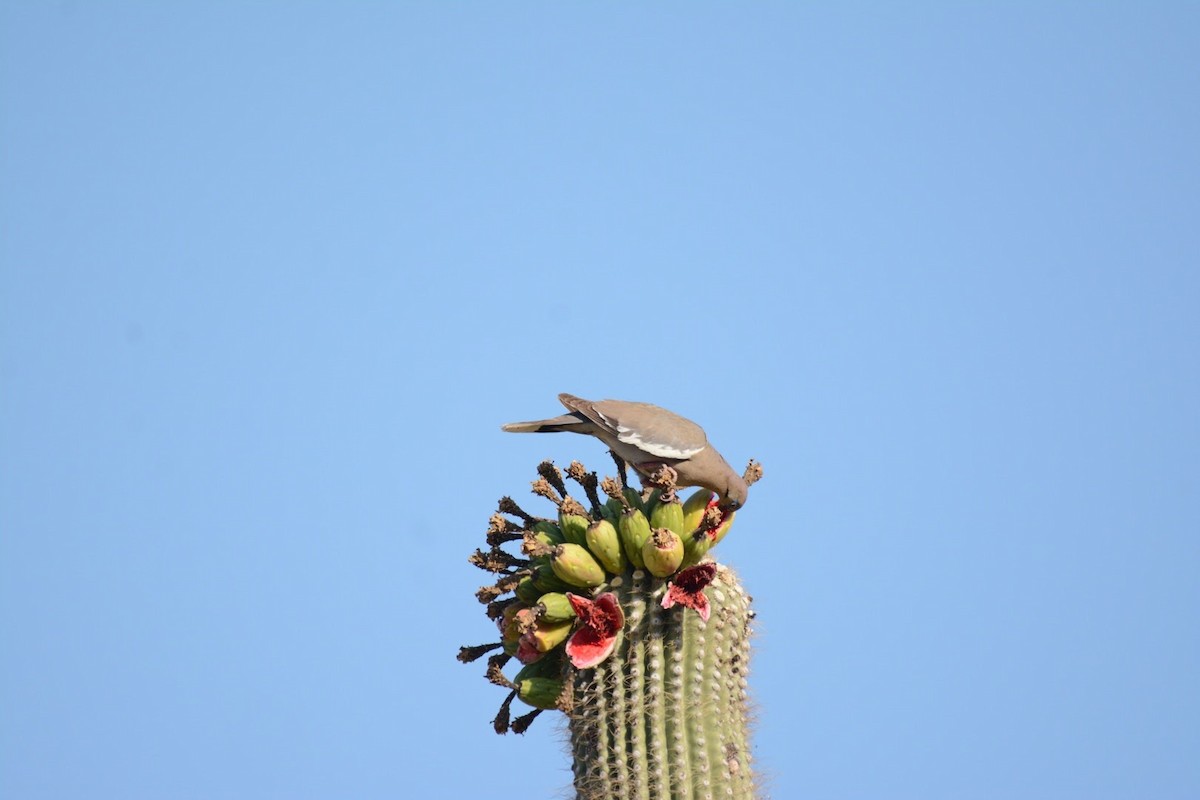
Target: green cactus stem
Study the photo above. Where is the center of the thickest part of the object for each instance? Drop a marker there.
(666, 716)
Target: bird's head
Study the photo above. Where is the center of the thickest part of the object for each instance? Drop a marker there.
(735, 494)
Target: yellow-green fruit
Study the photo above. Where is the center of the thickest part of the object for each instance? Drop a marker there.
(555, 607)
(547, 532)
(634, 498)
(575, 565)
(694, 508)
(663, 552)
(547, 580)
(605, 544)
(667, 515)
(540, 692)
(546, 636)
(574, 527)
(635, 531)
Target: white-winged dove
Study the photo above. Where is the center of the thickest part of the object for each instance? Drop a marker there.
(647, 437)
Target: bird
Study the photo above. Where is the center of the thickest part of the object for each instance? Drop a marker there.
(648, 437)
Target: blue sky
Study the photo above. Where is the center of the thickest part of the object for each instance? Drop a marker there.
(272, 275)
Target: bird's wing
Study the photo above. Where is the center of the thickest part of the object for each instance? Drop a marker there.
(651, 429)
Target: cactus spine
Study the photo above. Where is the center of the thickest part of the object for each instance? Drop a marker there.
(646, 656)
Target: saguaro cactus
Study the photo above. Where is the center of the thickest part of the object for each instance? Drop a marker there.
(622, 621)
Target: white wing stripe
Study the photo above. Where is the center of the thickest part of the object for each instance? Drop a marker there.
(654, 448)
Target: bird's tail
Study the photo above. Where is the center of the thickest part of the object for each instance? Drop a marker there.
(567, 422)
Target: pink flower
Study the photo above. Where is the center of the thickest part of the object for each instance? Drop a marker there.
(600, 621)
(687, 588)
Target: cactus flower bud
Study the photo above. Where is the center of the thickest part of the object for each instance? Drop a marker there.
(555, 607)
(573, 564)
(667, 515)
(651, 504)
(574, 527)
(549, 528)
(540, 692)
(695, 546)
(547, 532)
(573, 520)
(635, 530)
(527, 592)
(605, 544)
(663, 552)
(548, 667)
(545, 579)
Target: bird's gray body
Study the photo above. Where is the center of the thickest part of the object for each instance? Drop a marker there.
(646, 437)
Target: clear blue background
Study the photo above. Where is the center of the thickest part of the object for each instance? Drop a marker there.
(272, 275)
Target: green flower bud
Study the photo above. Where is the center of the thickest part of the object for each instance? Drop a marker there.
(574, 527)
(527, 592)
(555, 607)
(663, 552)
(550, 666)
(611, 510)
(635, 531)
(547, 580)
(540, 692)
(547, 532)
(667, 515)
(651, 503)
(575, 565)
(605, 544)
(694, 548)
